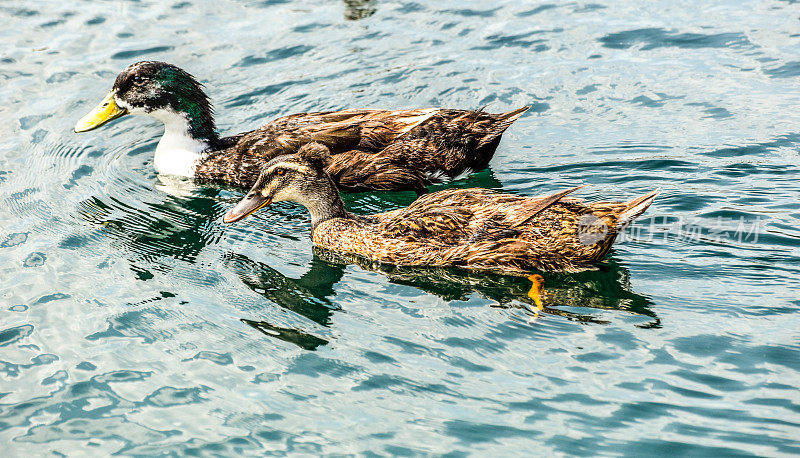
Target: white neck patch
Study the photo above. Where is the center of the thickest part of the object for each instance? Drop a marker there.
(177, 152)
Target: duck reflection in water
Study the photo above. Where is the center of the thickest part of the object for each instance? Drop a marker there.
(602, 289)
(308, 296)
(311, 295)
(152, 234)
(606, 288)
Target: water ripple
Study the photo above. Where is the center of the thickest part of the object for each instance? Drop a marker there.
(136, 323)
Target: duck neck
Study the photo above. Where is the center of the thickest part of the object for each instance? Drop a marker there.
(326, 204)
(186, 137)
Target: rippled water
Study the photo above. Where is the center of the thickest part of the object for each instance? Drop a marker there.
(135, 322)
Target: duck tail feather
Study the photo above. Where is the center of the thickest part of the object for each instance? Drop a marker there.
(635, 208)
(543, 203)
(514, 114)
(504, 120)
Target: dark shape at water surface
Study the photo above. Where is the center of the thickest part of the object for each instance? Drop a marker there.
(15, 334)
(359, 9)
(659, 38)
(607, 288)
(523, 40)
(275, 54)
(35, 259)
(17, 238)
(301, 339)
(308, 296)
(788, 70)
(790, 140)
(482, 179)
(127, 55)
(175, 228)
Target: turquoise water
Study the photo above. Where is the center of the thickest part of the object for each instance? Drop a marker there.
(132, 321)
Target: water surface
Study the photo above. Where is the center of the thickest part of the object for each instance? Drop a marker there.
(132, 321)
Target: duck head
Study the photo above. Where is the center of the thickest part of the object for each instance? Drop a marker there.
(157, 89)
(299, 178)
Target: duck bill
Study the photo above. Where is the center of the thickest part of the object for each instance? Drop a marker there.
(246, 207)
(103, 113)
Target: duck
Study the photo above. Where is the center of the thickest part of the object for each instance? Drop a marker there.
(473, 228)
(371, 149)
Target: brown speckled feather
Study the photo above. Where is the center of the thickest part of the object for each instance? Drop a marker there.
(485, 230)
(371, 149)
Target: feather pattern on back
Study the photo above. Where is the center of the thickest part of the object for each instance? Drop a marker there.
(484, 230)
(370, 149)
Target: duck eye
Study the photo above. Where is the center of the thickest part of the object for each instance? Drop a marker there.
(137, 79)
(280, 171)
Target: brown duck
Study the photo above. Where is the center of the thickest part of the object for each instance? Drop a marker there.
(371, 149)
(476, 229)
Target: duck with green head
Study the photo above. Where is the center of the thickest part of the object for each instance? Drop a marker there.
(371, 149)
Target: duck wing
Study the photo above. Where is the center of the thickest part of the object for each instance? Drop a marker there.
(429, 217)
(440, 148)
(532, 206)
(369, 130)
(466, 215)
(359, 170)
(443, 223)
(505, 216)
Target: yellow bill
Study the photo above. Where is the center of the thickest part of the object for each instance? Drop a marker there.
(106, 111)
